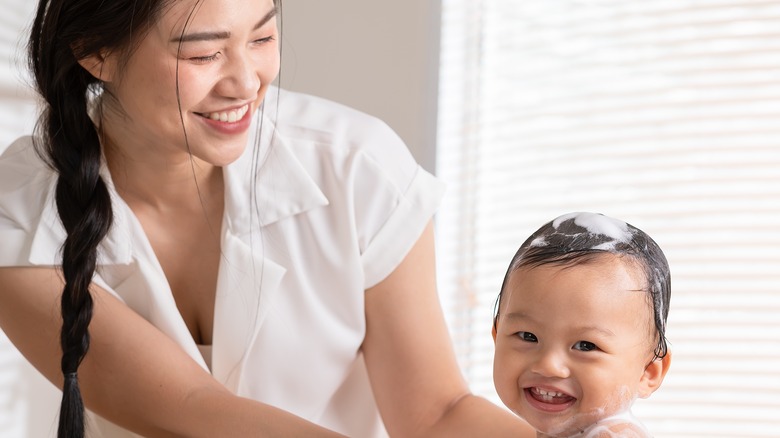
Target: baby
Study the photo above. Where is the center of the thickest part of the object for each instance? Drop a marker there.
(579, 327)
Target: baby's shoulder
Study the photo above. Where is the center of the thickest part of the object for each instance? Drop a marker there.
(618, 428)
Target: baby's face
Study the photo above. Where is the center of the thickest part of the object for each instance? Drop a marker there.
(572, 343)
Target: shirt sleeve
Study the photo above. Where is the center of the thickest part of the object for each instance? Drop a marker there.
(395, 198)
(24, 187)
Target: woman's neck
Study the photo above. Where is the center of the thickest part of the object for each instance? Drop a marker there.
(162, 183)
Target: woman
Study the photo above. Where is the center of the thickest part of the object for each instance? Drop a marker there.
(209, 288)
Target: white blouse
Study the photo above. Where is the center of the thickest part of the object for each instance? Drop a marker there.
(339, 203)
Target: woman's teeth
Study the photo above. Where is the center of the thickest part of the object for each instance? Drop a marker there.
(228, 116)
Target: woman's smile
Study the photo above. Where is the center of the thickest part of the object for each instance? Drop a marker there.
(233, 121)
(230, 116)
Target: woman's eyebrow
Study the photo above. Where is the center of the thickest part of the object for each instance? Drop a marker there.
(220, 35)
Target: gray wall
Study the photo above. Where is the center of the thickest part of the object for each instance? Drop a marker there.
(380, 57)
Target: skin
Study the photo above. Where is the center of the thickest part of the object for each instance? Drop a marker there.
(583, 332)
(418, 386)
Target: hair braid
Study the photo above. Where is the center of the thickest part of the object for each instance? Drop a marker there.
(70, 143)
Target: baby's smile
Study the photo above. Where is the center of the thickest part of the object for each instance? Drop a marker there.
(551, 397)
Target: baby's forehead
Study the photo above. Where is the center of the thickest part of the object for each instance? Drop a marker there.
(607, 264)
(616, 279)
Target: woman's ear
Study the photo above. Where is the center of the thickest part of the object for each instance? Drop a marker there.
(654, 374)
(100, 65)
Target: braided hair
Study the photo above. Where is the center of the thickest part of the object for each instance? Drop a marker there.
(63, 33)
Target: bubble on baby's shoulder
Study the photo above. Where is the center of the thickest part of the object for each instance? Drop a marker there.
(623, 425)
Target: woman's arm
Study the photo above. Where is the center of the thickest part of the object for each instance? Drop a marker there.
(416, 380)
(133, 374)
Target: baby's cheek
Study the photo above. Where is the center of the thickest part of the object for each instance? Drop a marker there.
(505, 380)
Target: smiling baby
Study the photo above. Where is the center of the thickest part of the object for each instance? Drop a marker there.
(580, 326)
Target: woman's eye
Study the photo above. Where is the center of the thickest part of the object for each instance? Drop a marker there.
(267, 39)
(527, 336)
(584, 346)
(204, 59)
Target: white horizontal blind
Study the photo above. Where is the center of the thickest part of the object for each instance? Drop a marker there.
(663, 113)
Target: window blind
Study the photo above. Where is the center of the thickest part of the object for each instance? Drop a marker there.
(665, 114)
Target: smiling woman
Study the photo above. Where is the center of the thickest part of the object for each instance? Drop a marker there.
(218, 237)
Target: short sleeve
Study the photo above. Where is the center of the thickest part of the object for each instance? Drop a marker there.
(25, 183)
(395, 198)
(367, 174)
(406, 222)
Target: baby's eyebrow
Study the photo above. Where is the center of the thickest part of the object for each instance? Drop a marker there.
(593, 328)
(518, 316)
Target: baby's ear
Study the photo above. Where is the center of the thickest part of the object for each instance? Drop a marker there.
(100, 65)
(654, 375)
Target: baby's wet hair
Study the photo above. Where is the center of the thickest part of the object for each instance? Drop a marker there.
(578, 238)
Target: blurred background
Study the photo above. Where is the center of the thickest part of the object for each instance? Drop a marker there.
(665, 114)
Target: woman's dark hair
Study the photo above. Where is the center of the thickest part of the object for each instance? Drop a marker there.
(64, 32)
(577, 238)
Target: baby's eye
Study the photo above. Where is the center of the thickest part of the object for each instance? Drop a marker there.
(584, 346)
(527, 336)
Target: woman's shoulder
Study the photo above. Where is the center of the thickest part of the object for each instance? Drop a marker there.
(22, 152)
(22, 169)
(308, 117)
(26, 205)
(320, 131)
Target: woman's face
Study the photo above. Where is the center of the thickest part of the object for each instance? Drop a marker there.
(224, 54)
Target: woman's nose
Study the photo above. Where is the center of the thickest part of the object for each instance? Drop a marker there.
(551, 363)
(242, 79)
